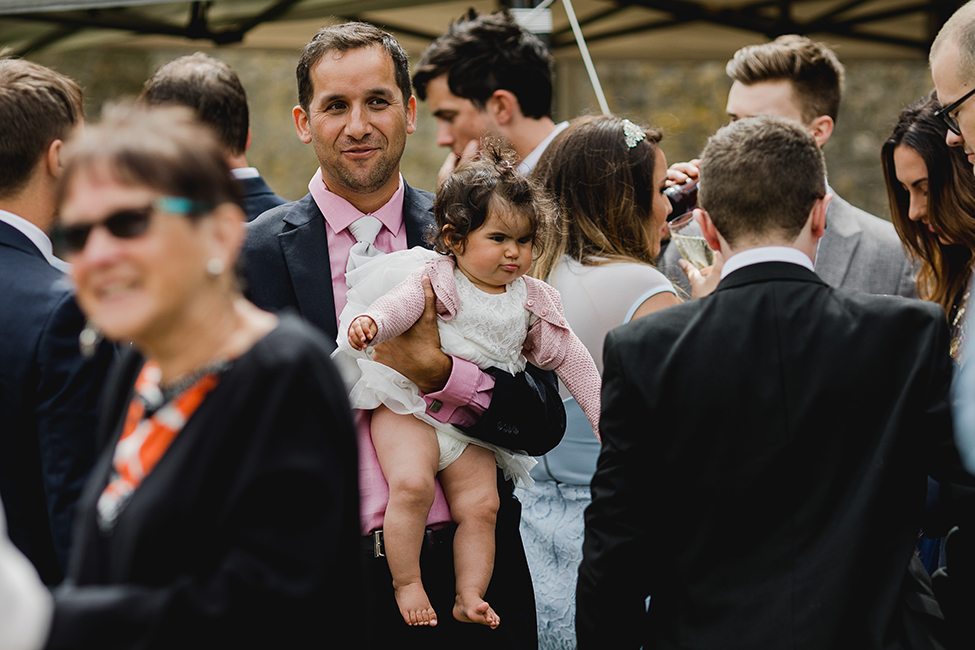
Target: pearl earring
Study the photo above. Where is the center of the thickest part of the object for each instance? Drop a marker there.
(215, 266)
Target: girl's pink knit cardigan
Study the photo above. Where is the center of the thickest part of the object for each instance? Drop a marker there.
(549, 344)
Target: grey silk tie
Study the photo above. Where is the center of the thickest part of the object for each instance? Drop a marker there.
(364, 229)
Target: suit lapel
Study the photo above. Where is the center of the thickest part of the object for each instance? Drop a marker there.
(838, 244)
(417, 215)
(305, 249)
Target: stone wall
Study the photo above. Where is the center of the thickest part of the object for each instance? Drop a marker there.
(685, 99)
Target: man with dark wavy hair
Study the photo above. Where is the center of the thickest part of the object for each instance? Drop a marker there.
(487, 75)
(48, 390)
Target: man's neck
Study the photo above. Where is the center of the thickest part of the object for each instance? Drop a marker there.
(527, 133)
(32, 204)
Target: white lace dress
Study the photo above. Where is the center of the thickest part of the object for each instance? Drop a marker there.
(488, 330)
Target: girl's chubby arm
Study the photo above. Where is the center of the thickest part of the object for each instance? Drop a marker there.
(361, 332)
(393, 313)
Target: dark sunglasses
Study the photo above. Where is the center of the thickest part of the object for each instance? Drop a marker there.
(944, 114)
(124, 224)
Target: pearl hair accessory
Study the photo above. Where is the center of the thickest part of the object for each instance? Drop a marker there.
(632, 134)
(215, 266)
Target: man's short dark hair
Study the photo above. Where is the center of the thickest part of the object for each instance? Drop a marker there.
(760, 177)
(815, 72)
(37, 107)
(343, 38)
(208, 86)
(482, 54)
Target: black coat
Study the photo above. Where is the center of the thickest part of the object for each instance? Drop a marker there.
(238, 537)
(763, 470)
(48, 404)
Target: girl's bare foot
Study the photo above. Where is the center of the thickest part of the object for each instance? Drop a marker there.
(414, 604)
(471, 608)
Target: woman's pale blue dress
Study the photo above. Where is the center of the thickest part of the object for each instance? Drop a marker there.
(596, 299)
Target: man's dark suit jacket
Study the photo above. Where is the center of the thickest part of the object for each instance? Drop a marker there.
(782, 431)
(286, 266)
(258, 197)
(48, 403)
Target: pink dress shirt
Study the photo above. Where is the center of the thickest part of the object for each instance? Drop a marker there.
(467, 393)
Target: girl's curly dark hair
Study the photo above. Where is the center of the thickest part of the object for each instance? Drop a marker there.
(490, 180)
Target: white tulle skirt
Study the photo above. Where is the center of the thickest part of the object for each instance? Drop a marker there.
(371, 383)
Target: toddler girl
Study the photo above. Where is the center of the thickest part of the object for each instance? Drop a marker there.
(490, 313)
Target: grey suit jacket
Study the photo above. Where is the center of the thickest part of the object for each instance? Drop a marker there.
(859, 251)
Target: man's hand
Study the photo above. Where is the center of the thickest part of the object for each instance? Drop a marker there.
(454, 161)
(705, 281)
(680, 173)
(416, 353)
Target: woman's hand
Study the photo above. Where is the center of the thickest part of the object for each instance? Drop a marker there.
(362, 330)
(705, 281)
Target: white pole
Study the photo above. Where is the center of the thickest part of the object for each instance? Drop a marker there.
(590, 68)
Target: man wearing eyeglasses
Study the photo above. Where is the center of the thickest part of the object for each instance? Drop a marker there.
(802, 80)
(48, 390)
(953, 69)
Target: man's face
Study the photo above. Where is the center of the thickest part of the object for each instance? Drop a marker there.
(357, 121)
(950, 86)
(458, 120)
(772, 98)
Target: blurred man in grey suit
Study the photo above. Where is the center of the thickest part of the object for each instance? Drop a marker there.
(798, 79)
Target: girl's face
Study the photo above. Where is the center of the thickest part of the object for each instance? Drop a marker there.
(912, 174)
(660, 208)
(498, 252)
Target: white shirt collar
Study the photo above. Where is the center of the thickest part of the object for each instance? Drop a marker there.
(245, 172)
(37, 237)
(766, 254)
(528, 164)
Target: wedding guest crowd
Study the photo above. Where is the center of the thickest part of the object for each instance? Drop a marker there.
(782, 444)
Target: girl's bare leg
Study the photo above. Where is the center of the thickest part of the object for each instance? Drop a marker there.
(471, 486)
(408, 453)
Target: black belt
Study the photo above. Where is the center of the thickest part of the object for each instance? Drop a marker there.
(372, 544)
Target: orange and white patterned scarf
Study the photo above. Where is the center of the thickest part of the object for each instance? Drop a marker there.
(145, 440)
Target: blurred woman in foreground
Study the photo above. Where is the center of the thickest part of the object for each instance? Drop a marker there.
(223, 509)
(607, 177)
(932, 204)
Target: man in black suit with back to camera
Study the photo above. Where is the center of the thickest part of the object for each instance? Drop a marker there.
(799, 423)
(48, 390)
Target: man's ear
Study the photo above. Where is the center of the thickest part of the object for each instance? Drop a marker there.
(817, 216)
(821, 128)
(502, 106)
(52, 158)
(708, 229)
(411, 115)
(301, 124)
(247, 145)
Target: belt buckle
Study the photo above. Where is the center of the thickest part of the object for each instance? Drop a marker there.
(378, 549)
